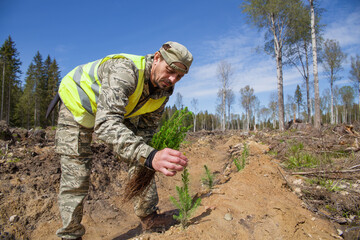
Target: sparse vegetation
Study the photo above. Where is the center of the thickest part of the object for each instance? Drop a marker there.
(208, 180)
(185, 204)
(240, 164)
(330, 185)
(14, 160)
(299, 158)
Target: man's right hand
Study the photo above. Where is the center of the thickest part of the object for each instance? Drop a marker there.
(169, 161)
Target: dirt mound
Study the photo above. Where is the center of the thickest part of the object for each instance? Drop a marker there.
(259, 202)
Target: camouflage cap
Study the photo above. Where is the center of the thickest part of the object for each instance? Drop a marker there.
(174, 52)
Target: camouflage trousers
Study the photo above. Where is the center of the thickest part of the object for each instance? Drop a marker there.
(73, 144)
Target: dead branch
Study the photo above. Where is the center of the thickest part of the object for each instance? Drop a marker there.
(356, 166)
(287, 182)
(326, 172)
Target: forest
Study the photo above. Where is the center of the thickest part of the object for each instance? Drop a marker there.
(293, 38)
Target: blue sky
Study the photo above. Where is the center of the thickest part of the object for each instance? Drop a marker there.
(76, 32)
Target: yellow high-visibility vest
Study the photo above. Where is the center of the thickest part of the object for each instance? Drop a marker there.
(79, 91)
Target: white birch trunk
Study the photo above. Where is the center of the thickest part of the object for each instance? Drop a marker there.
(317, 120)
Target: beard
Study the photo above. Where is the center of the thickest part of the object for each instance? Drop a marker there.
(161, 83)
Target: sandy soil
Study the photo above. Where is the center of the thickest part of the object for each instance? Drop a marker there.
(254, 203)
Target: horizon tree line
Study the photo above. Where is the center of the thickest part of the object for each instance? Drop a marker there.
(293, 34)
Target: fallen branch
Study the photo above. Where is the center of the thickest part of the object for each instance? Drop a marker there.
(356, 166)
(326, 172)
(287, 182)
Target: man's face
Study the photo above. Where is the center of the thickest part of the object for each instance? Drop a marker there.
(162, 75)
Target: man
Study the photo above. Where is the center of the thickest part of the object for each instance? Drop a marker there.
(121, 98)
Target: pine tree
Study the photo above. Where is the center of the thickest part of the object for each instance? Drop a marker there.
(50, 87)
(26, 104)
(39, 87)
(54, 79)
(10, 84)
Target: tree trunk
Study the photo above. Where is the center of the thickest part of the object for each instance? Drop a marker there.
(332, 117)
(2, 92)
(35, 112)
(255, 123)
(194, 122)
(311, 110)
(8, 107)
(279, 72)
(223, 127)
(336, 114)
(359, 100)
(307, 83)
(247, 120)
(317, 120)
(280, 91)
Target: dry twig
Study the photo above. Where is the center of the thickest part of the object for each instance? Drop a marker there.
(326, 172)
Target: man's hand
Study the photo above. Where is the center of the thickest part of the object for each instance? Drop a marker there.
(169, 161)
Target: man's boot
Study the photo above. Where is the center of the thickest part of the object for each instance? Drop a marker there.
(158, 222)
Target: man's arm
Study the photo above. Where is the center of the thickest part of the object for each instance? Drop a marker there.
(119, 80)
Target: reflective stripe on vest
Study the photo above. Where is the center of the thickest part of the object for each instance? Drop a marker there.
(79, 90)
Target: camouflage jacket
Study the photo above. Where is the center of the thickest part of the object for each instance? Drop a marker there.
(129, 138)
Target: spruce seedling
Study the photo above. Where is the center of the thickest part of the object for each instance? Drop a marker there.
(208, 180)
(171, 135)
(245, 153)
(185, 204)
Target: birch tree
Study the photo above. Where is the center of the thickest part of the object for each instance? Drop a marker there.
(273, 106)
(347, 98)
(230, 99)
(298, 51)
(224, 72)
(264, 113)
(256, 109)
(194, 104)
(317, 119)
(325, 104)
(179, 101)
(247, 100)
(355, 74)
(333, 58)
(277, 18)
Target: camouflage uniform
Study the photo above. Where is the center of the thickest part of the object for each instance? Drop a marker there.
(127, 137)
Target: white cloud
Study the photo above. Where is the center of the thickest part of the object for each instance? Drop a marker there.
(346, 30)
(250, 68)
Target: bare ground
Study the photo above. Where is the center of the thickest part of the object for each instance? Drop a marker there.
(265, 200)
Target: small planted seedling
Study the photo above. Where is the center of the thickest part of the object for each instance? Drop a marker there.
(208, 180)
(240, 164)
(185, 204)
